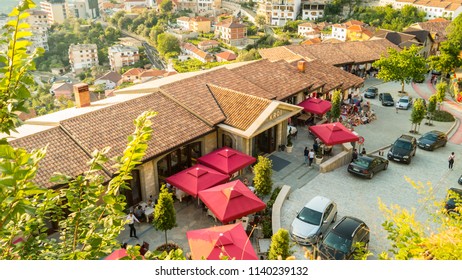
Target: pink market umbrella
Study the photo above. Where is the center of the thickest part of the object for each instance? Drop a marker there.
(117, 254)
(227, 160)
(315, 105)
(197, 178)
(229, 240)
(333, 133)
(231, 201)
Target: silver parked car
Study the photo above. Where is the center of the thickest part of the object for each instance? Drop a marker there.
(313, 220)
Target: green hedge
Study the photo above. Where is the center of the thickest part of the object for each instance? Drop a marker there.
(443, 116)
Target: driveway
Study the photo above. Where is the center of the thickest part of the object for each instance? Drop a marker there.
(360, 197)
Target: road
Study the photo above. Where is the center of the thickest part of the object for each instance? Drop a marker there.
(151, 52)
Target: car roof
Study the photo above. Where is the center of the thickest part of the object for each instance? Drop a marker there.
(318, 203)
(372, 88)
(406, 137)
(347, 226)
(436, 132)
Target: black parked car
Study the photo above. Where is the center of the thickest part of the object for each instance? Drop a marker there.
(340, 242)
(432, 140)
(371, 92)
(368, 165)
(386, 98)
(454, 197)
(403, 149)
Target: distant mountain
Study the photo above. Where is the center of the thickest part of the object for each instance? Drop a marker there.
(7, 5)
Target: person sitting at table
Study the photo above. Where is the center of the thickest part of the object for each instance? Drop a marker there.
(139, 213)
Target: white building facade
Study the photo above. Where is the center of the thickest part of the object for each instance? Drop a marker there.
(83, 56)
(56, 11)
(283, 11)
(38, 21)
(121, 56)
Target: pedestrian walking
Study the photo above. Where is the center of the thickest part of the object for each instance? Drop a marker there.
(131, 223)
(306, 153)
(363, 152)
(315, 146)
(354, 155)
(451, 160)
(311, 157)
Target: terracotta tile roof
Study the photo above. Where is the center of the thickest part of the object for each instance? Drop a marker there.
(316, 69)
(240, 109)
(436, 27)
(327, 53)
(63, 154)
(112, 125)
(133, 72)
(312, 41)
(354, 22)
(153, 73)
(231, 25)
(278, 53)
(111, 76)
(171, 73)
(199, 19)
(228, 56)
(183, 19)
(208, 43)
(359, 50)
(308, 24)
(278, 77)
(222, 77)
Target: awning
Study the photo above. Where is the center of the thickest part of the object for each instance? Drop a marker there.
(197, 178)
(333, 133)
(230, 241)
(231, 201)
(315, 105)
(227, 160)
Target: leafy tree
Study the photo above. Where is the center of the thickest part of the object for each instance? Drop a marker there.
(166, 6)
(263, 173)
(252, 54)
(336, 104)
(401, 66)
(124, 23)
(448, 59)
(164, 213)
(414, 239)
(168, 44)
(431, 107)
(154, 32)
(440, 93)
(260, 21)
(417, 114)
(15, 67)
(280, 245)
(89, 213)
(455, 31)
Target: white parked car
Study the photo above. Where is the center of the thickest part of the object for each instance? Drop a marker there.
(404, 102)
(313, 220)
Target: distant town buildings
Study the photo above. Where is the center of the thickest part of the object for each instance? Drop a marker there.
(56, 10)
(434, 9)
(83, 56)
(38, 21)
(197, 24)
(232, 33)
(121, 56)
(83, 8)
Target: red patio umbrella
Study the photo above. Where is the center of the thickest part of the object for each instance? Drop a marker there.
(226, 160)
(197, 178)
(117, 254)
(315, 105)
(229, 240)
(231, 201)
(333, 133)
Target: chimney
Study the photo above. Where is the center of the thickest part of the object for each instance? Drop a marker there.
(301, 66)
(82, 95)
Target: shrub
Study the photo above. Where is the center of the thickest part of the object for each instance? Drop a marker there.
(443, 116)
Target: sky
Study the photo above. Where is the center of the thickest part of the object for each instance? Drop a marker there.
(7, 5)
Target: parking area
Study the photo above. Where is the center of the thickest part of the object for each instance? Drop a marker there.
(359, 197)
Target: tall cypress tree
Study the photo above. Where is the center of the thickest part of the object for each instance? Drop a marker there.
(164, 214)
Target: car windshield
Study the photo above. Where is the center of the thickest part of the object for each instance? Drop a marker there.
(387, 97)
(362, 162)
(432, 137)
(310, 216)
(403, 145)
(337, 242)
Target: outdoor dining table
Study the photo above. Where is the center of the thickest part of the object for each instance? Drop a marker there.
(148, 211)
(303, 118)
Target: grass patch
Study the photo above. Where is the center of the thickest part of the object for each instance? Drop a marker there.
(443, 116)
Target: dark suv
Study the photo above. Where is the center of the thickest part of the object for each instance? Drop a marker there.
(403, 149)
(340, 242)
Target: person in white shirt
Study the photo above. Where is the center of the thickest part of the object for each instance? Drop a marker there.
(131, 223)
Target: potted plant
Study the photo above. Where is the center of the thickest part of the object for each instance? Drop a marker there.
(318, 158)
(289, 144)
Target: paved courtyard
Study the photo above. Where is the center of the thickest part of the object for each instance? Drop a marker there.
(354, 196)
